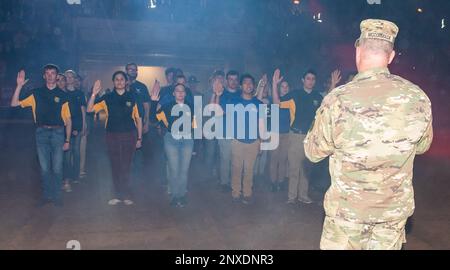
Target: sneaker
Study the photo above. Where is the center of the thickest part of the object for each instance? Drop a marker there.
(182, 202)
(174, 202)
(128, 202)
(76, 181)
(236, 199)
(67, 187)
(290, 202)
(83, 175)
(305, 200)
(114, 202)
(247, 200)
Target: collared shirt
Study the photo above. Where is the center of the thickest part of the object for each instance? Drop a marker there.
(49, 107)
(76, 101)
(142, 95)
(287, 114)
(304, 108)
(248, 122)
(371, 128)
(227, 97)
(164, 114)
(122, 111)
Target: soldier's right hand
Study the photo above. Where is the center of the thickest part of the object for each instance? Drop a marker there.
(21, 81)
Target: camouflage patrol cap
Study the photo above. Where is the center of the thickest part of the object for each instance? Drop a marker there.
(378, 29)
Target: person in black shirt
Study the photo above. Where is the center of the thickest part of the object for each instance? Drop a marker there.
(51, 113)
(178, 145)
(140, 90)
(77, 104)
(303, 103)
(123, 119)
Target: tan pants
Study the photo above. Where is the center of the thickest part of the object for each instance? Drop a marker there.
(279, 160)
(298, 183)
(243, 160)
(339, 234)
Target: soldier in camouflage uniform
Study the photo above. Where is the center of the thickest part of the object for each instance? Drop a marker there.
(371, 128)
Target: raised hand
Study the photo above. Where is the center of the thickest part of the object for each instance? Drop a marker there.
(97, 87)
(154, 95)
(21, 81)
(263, 81)
(335, 78)
(218, 87)
(277, 78)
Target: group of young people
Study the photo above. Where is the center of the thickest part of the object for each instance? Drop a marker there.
(62, 114)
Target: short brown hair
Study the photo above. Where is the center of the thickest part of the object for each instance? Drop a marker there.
(377, 45)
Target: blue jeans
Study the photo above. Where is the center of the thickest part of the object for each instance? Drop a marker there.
(179, 153)
(49, 144)
(210, 154)
(72, 159)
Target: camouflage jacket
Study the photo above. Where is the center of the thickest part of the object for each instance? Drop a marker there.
(371, 128)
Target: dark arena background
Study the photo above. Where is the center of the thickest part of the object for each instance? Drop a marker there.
(95, 38)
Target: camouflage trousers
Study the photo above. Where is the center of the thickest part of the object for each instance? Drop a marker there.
(339, 234)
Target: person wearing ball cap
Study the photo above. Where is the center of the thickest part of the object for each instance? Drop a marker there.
(371, 128)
